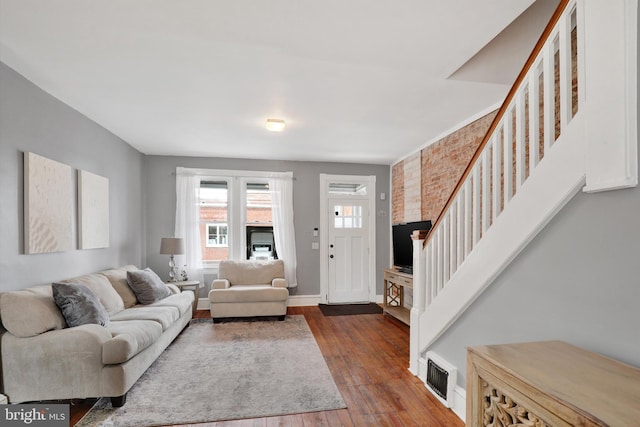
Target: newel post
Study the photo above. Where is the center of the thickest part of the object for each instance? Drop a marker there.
(419, 298)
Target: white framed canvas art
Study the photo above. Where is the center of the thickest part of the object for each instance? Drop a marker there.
(48, 205)
(93, 210)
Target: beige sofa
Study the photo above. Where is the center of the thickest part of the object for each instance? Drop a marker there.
(44, 359)
(249, 289)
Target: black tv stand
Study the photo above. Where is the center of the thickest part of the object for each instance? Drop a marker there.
(408, 270)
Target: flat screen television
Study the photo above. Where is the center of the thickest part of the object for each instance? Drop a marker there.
(403, 245)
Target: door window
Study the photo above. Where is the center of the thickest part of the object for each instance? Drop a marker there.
(348, 216)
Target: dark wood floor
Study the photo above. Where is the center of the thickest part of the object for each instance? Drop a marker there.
(368, 356)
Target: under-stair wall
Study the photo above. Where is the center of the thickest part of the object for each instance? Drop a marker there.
(542, 150)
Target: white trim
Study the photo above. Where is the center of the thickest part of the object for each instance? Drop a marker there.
(451, 130)
(303, 300)
(610, 60)
(232, 173)
(460, 402)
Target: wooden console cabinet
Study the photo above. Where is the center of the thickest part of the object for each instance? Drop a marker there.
(549, 383)
(394, 284)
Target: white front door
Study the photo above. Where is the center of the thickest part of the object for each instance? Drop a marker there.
(347, 238)
(349, 246)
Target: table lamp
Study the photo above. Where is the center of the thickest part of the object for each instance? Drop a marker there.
(172, 246)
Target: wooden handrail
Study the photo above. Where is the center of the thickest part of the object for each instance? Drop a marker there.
(501, 112)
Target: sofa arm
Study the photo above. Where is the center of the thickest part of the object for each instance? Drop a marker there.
(40, 367)
(173, 288)
(220, 284)
(279, 283)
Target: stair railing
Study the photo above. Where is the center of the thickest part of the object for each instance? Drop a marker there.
(541, 103)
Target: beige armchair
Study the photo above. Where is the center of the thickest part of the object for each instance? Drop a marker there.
(249, 289)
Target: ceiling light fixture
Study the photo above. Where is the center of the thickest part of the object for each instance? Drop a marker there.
(275, 125)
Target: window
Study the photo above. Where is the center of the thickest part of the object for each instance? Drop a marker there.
(214, 219)
(217, 235)
(348, 216)
(235, 219)
(229, 214)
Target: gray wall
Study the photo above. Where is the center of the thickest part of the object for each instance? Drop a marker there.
(161, 201)
(32, 120)
(578, 281)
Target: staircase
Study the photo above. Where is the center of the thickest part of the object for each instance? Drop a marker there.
(568, 123)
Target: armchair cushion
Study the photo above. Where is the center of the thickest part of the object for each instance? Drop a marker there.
(250, 272)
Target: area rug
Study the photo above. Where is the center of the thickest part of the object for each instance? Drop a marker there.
(214, 372)
(349, 309)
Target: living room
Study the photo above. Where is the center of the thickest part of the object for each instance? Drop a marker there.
(598, 257)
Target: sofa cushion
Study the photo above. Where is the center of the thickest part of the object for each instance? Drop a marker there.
(30, 312)
(101, 286)
(147, 286)
(118, 279)
(182, 301)
(79, 305)
(130, 337)
(251, 272)
(166, 316)
(248, 293)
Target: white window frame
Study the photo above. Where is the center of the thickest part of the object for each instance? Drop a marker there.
(217, 225)
(236, 205)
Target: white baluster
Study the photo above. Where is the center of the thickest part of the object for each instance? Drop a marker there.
(534, 117)
(564, 42)
(476, 215)
(446, 243)
(467, 216)
(521, 153)
(453, 234)
(486, 187)
(496, 194)
(549, 106)
(507, 152)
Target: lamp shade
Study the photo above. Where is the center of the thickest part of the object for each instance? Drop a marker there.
(172, 246)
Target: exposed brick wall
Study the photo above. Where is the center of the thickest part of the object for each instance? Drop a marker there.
(444, 162)
(412, 192)
(397, 193)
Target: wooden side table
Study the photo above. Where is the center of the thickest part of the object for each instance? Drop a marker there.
(190, 285)
(549, 383)
(394, 284)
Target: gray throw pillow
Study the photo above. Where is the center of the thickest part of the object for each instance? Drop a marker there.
(147, 286)
(79, 305)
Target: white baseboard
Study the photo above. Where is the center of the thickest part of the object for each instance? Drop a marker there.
(460, 402)
(203, 304)
(303, 300)
(293, 301)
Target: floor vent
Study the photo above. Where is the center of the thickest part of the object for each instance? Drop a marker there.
(441, 378)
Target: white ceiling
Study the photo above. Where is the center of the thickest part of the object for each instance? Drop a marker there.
(361, 80)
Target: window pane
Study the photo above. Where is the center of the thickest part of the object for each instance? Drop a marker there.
(348, 216)
(213, 220)
(259, 226)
